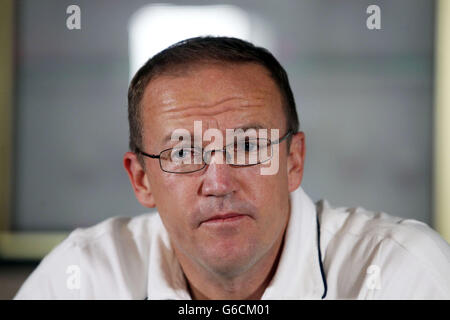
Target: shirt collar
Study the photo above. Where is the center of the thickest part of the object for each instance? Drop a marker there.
(298, 275)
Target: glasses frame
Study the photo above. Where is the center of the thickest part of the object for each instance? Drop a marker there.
(158, 156)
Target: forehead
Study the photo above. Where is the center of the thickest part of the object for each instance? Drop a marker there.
(223, 96)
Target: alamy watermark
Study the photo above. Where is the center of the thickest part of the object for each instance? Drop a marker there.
(241, 147)
(373, 278)
(373, 21)
(73, 281)
(73, 21)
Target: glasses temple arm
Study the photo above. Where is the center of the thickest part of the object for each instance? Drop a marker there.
(154, 156)
(282, 138)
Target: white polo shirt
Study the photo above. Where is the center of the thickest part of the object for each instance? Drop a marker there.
(360, 255)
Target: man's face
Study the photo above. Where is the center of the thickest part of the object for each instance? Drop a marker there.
(224, 97)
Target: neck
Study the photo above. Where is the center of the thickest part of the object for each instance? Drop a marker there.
(249, 285)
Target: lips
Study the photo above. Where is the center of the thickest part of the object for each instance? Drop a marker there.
(226, 217)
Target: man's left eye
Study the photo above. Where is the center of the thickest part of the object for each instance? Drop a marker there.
(247, 146)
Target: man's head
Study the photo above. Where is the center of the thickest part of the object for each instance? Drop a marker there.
(186, 54)
(225, 83)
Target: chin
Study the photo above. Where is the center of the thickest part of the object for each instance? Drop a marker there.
(230, 259)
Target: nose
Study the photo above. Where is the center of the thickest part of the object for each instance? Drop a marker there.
(218, 176)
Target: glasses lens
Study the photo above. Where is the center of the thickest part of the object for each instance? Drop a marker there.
(181, 160)
(248, 152)
(243, 152)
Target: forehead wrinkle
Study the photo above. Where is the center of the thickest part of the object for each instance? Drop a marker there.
(200, 104)
(217, 109)
(254, 125)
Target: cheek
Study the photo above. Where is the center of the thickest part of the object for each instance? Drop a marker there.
(271, 196)
(169, 189)
(176, 193)
(173, 196)
(268, 190)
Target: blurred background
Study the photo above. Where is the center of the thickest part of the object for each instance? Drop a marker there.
(373, 104)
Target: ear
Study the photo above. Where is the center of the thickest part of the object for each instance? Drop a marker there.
(296, 160)
(139, 180)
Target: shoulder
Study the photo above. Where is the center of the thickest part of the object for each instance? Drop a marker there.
(122, 228)
(408, 253)
(359, 223)
(125, 236)
(108, 260)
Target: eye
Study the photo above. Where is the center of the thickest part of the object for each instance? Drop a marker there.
(247, 145)
(184, 153)
(179, 154)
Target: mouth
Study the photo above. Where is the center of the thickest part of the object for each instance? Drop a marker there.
(231, 217)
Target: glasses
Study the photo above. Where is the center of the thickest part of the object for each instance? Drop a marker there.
(241, 153)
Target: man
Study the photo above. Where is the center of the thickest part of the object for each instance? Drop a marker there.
(225, 230)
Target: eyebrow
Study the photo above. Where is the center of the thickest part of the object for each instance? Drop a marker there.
(256, 126)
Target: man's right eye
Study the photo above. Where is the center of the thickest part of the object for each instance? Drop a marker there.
(180, 153)
(184, 153)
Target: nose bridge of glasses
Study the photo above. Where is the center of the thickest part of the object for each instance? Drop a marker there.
(207, 155)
